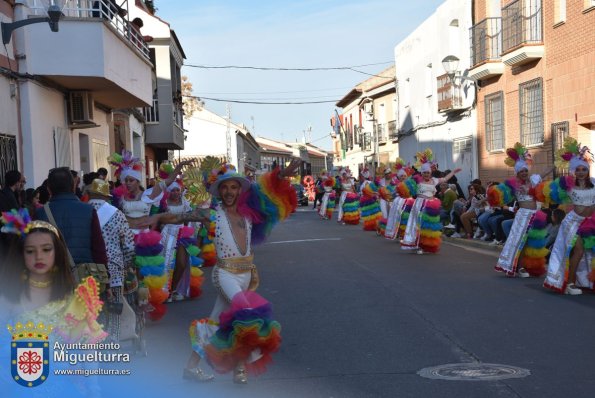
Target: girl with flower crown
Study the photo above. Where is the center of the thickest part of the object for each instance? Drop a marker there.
(37, 288)
(424, 230)
(524, 252)
(576, 237)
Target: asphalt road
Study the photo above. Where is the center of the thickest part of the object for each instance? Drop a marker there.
(360, 318)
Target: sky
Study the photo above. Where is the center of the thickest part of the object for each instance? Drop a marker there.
(287, 34)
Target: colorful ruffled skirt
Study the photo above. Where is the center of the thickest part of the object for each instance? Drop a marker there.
(423, 230)
(370, 212)
(245, 334)
(525, 245)
(572, 227)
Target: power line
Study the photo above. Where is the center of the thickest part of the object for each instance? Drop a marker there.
(261, 102)
(276, 92)
(284, 69)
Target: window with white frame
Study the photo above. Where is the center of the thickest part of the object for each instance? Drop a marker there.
(531, 112)
(494, 121)
(559, 11)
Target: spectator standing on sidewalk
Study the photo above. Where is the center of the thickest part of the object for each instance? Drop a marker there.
(476, 207)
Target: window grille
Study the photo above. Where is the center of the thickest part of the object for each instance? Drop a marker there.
(494, 122)
(531, 112)
(8, 155)
(464, 144)
(560, 131)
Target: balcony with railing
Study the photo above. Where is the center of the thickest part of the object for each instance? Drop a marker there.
(151, 113)
(393, 131)
(486, 47)
(449, 95)
(165, 125)
(381, 132)
(522, 32)
(96, 49)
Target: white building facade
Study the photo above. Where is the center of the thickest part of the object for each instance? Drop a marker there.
(66, 84)
(434, 111)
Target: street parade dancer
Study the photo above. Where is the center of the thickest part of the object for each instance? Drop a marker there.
(240, 334)
(179, 244)
(397, 218)
(576, 237)
(424, 230)
(387, 187)
(524, 253)
(368, 202)
(327, 203)
(136, 204)
(349, 201)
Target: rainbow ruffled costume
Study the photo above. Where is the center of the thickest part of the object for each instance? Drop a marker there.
(370, 210)
(525, 245)
(327, 203)
(240, 329)
(563, 190)
(424, 230)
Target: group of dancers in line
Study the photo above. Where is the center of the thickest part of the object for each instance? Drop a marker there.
(163, 231)
(401, 205)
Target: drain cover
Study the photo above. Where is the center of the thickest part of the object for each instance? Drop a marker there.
(473, 372)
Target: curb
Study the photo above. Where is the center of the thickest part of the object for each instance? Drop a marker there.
(473, 243)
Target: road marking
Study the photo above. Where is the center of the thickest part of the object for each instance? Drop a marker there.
(487, 252)
(301, 240)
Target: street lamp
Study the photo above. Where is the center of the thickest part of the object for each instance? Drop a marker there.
(53, 9)
(450, 63)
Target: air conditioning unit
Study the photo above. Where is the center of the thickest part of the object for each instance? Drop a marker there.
(81, 107)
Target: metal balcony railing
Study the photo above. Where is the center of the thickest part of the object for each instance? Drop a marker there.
(449, 94)
(178, 115)
(486, 40)
(522, 23)
(104, 9)
(151, 113)
(381, 132)
(393, 132)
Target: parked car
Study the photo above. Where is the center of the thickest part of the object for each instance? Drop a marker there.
(302, 199)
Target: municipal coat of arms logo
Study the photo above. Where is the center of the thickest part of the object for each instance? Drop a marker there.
(30, 353)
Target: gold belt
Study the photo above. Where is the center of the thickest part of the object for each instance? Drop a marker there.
(236, 265)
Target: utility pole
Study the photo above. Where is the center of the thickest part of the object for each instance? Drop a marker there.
(228, 132)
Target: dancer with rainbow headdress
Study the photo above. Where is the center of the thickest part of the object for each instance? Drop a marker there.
(576, 237)
(397, 218)
(240, 334)
(349, 201)
(368, 202)
(135, 204)
(327, 203)
(424, 230)
(524, 253)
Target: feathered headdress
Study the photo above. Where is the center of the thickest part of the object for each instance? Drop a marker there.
(126, 165)
(365, 173)
(424, 160)
(571, 155)
(402, 168)
(518, 157)
(20, 223)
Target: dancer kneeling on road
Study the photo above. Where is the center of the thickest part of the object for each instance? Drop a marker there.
(240, 334)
